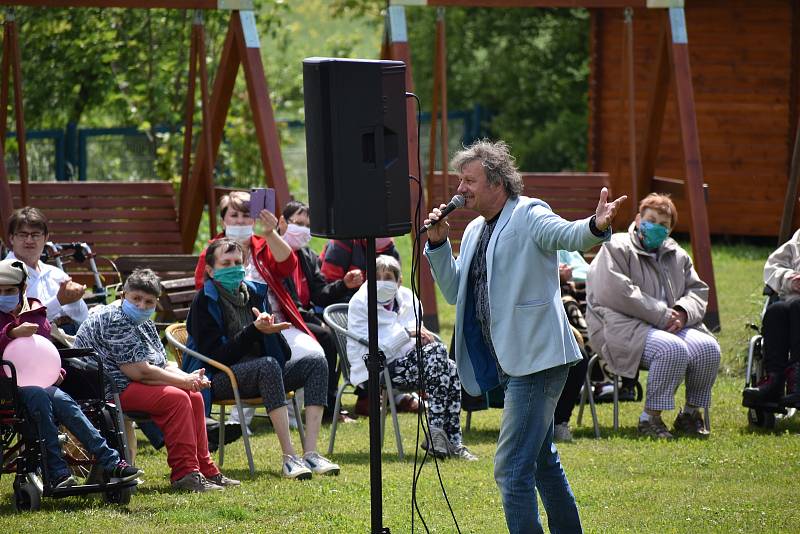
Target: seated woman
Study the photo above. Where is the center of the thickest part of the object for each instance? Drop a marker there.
(645, 309)
(230, 321)
(21, 316)
(396, 337)
(781, 327)
(309, 290)
(268, 260)
(123, 334)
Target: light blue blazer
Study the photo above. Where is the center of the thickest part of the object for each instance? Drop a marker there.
(529, 327)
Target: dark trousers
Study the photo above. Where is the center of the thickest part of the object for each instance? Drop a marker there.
(572, 388)
(781, 329)
(325, 338)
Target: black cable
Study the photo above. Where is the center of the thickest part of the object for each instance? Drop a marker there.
(422, 414)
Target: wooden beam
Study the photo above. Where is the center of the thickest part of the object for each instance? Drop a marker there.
(261, 107)
(701, 240)
(136, 4)
(220, 103)
(19, 115)
(188, 123)
(790, 201)
(654, 120)
(789, 216)
(630, 60)
(396, 46)
(211, 202)
(595, 88)
(441, 65)
(532, 3)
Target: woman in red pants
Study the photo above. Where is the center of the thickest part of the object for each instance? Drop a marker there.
(125, 337)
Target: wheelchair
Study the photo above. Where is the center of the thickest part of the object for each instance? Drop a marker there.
(762, 414)
(22, 453)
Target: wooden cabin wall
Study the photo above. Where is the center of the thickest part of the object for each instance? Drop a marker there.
(744, 63)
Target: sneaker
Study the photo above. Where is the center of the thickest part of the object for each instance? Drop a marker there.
(654, 428)
(221, 480)
(441, 445)
(66, 481)
(690, 425)
(122, 472)
(461, 452)
(294, 467)
(562, 433)
(196, 482)
(320, 465)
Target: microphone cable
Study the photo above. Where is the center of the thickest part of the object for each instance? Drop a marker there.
(423, 422)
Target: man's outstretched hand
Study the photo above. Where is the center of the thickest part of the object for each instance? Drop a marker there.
(606, 211)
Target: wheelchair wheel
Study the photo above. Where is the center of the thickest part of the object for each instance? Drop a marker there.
(27, 495)
(761, 418)
(120, 496)
(79, 460)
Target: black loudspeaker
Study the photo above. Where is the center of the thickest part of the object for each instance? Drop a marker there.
(356, 146)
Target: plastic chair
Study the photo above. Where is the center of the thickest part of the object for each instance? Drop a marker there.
(177, 337)
(335, 316)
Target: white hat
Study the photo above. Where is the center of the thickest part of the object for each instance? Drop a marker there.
(12, 272)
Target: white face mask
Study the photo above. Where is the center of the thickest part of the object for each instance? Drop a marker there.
(297, 236)
(239, 233)
(386, 291)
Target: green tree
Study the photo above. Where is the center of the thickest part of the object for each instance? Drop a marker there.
(527, 67)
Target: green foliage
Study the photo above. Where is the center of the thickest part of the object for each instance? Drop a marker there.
(528, 67)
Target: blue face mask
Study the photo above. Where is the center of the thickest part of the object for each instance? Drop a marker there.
(134, 313)
(652, 234)
(9, 303)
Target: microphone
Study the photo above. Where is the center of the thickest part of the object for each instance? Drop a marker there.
(456, 202)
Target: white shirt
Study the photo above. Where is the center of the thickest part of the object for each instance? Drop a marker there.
(393, 328)
(43, 285)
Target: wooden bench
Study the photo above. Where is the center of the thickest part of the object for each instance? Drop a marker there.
(114, 218)
(571, 195)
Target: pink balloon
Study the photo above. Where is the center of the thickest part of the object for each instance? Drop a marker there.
(36, 360)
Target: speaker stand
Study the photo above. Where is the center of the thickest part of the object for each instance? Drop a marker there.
(375, 360)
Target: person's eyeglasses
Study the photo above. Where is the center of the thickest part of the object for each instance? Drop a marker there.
(32, 235)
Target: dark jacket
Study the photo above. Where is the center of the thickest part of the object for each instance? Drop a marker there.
(272, 271)
(342, 256)
(207, 335)
(322, 292)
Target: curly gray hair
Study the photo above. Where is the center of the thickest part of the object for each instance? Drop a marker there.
(497, 162)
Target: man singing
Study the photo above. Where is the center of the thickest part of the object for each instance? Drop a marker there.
(511, 328)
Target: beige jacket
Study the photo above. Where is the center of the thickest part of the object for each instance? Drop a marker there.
(781, 264)
(629, 291)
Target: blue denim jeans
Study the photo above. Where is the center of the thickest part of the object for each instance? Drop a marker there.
(526, 458)
(50, 406)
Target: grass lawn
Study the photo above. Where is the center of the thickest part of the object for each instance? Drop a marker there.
(738, 481)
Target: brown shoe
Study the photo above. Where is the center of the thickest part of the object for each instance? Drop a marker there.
(362, 406)
(690, 425)
(654, 428)
(408, 404)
